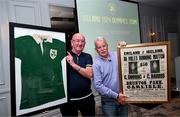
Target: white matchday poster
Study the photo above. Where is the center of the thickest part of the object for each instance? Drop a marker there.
(144, 72)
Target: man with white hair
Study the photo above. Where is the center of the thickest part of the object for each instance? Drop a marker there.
(106, 80)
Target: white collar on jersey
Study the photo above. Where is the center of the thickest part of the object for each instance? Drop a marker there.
(39, 38)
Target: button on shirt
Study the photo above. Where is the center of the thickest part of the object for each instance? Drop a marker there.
(106, 79)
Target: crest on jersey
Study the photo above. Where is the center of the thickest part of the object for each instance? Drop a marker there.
(53, 53)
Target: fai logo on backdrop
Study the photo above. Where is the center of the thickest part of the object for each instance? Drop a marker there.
(53, 53)
(112, 8)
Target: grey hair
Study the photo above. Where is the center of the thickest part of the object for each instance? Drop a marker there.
(99, 38)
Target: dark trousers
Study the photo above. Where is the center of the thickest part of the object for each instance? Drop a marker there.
(85, 106)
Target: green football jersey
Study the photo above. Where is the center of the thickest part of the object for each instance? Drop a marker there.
(41, 72)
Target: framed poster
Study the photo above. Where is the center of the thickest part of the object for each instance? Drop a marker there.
(144, 71)
(38, 68)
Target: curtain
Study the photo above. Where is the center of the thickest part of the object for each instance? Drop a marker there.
(150, 24)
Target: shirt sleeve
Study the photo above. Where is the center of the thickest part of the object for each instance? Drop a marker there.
(89, 61)
(19, 45)
(98, 83)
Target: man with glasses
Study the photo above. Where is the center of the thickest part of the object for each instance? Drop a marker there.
(79, 74)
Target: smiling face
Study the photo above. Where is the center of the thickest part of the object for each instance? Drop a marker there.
(101, 47)
(78, 43)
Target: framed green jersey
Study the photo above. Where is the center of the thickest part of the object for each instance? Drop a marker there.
(38, 68)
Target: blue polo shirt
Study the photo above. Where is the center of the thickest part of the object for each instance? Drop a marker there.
(79, 86)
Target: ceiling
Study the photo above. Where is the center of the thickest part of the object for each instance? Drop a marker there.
(168, 4)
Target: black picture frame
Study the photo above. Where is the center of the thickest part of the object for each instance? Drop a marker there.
(38, 68)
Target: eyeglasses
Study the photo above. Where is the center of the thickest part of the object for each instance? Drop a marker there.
(79, 41)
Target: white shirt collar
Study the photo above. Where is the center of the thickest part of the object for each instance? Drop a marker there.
(39, 38)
